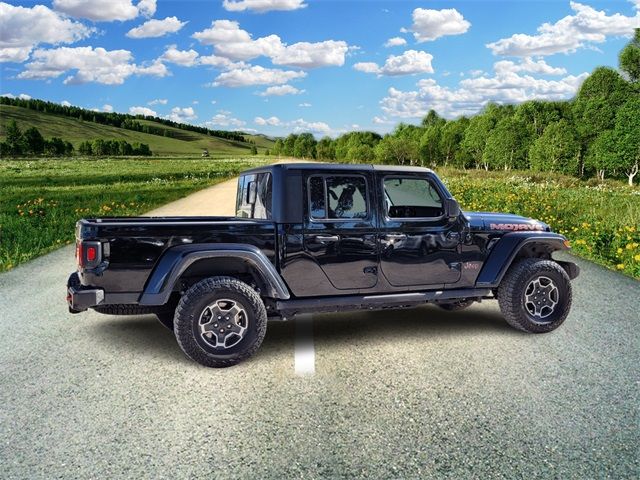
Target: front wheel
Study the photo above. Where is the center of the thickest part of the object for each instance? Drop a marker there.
(535, 295)
(220, 321)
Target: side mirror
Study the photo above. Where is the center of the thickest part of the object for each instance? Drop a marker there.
(252, 193)
(451, 208)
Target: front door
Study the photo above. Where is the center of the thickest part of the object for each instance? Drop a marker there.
(340, 233)
(418, 243)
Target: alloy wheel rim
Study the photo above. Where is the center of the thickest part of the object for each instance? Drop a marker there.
(541, 298)
(223, 323)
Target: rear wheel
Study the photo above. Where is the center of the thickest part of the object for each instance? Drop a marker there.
(535, 295)
(220, 321)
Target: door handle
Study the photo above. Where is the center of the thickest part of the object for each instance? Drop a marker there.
(393, 236)
(326, 238)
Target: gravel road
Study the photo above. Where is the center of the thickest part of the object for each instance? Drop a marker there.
(419, 393)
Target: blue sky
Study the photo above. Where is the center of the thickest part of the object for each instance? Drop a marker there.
(278, 66)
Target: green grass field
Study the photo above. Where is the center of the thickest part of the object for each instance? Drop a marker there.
(76, 131)
(40, 201)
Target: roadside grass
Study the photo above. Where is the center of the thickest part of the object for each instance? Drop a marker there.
(41, 200)
(602, 220)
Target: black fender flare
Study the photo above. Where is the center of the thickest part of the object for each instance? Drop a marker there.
(175, 261)
(507, 248)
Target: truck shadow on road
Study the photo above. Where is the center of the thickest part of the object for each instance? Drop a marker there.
(144, 334)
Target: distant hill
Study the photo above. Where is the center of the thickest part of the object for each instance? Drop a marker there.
(169, 138)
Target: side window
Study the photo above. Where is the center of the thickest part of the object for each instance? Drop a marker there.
(258, 207)
(337, 197)
(317, 198)
(411, 198)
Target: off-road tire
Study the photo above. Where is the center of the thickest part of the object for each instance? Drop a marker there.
(195, 301)
(456, 306)
(511, 295)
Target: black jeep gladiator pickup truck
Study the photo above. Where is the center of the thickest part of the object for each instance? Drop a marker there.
(317, 238)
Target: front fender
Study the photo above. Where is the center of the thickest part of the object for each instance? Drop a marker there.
(175, 261)
(507, 249)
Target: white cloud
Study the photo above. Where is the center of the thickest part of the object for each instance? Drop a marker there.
(90, 65)
(230, 41)
(367, 67)
(107, 108)
(272, 121)
(186, 58)
(472, 94)
(311, 55)
(22, 29)
(432, 24)
(158, 101)
(280, 90)
(300, 125)
(586, 27)
(22, 96)
(65, 103)
(224, 119)
(142, 111)
(528, 65)
(395, 42)
(256, 75)
(156, 28)
(105, 10)
(155, 69)
(182, 115)
(382, 121)
(147, 7)
(410, 62)
(220, 62)
(262, 6)
(305, 105)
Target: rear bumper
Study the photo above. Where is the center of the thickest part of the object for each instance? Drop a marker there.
(80, 298)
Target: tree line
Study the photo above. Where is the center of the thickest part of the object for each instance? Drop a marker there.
(119, 120)
(595, 134)
(31, 142)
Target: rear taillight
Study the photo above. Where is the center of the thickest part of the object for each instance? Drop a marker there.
(88, 254)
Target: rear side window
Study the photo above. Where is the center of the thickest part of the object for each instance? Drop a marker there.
(411, 198)
(337, 197)
(254, 196)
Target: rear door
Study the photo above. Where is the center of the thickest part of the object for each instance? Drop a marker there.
(418, 244)
(339, 231)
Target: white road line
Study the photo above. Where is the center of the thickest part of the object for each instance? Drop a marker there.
(305, 356)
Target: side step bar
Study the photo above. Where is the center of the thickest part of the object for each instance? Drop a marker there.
(290, 308)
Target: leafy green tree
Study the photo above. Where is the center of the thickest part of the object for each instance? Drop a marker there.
(432, 118)
(475, 139)
(289, 143)
(539, 113)
(630, 58)
(326, 149)
(451, 142)
(430, 153)
(254, 150)
(14, 139)
(557, 150)
(267, 152)
(278, 147)
(54, 147)
(33, 141)
(627, 136)
(392, 150)
(85, 148)
(602, 157)
(507, 145)
(68, 148)
(361, 153)
(305, 146)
